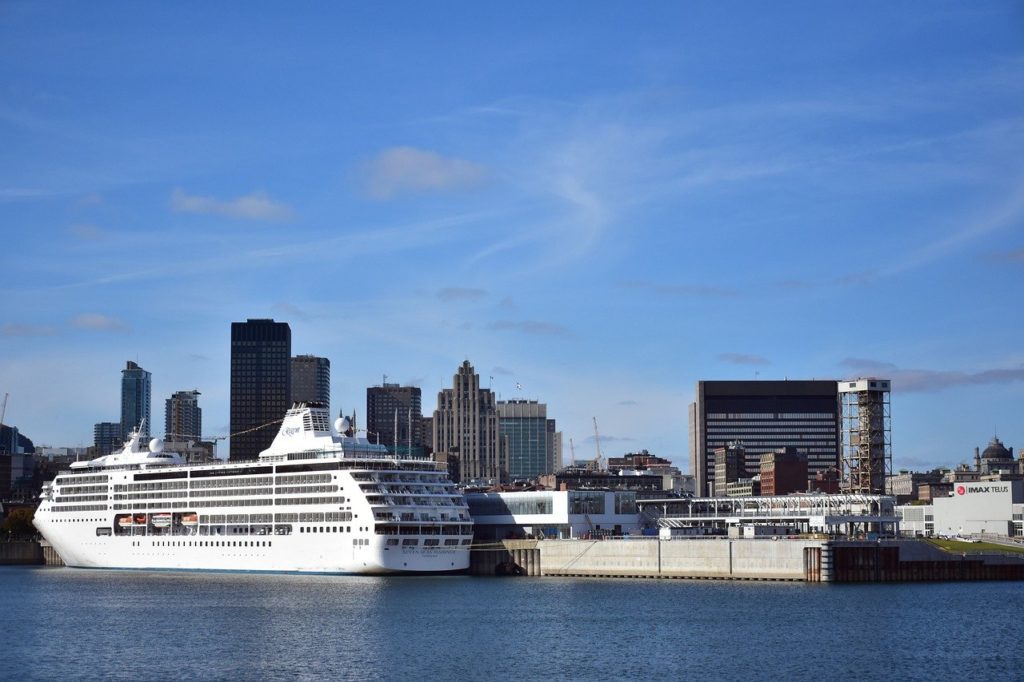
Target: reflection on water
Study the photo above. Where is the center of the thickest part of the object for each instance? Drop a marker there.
(75, 624)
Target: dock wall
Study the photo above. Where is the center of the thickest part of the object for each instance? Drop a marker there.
(21, 553)
(734, 559)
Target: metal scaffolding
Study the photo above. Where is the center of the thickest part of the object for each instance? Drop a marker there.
(836, 514)
(866, 433)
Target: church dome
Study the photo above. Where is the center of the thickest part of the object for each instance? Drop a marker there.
(996, 450)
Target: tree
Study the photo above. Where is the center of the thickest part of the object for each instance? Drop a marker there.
(18, 523)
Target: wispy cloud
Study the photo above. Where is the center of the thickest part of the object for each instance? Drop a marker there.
(502, 371)
(197, 357)
(627, 403)
(609, 439)
(931, 380)
(26, 330)
(97, 322)
(460, 294)
(744, 359)
(680, 289)
(86, 232)
(532, 327)
(407, 170)
(255, 206)
(1009, 212)
(8, 194)
(286, 309)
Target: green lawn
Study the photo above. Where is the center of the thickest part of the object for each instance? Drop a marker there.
(969, 547)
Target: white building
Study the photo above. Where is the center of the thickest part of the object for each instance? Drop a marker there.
(994, 507)
(554, 514)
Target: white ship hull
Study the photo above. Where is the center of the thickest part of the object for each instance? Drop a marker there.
(312, 553)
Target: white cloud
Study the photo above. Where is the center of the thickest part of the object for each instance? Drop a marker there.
(96, 322)
(402, 170)
(255, 206)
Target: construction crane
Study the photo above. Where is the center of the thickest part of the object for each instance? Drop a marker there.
(596, 464)
(3, 409)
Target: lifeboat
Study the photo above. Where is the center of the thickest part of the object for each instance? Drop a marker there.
(140, 519)
(189, 519)
(162, 520)
(125, 521)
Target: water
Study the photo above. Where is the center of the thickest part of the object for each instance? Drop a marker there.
(66, 624)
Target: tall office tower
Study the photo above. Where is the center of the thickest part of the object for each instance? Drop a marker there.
(107, 437)
(394, 415)
(311, 380)
(465, 424)
(867, 454)
(183, 418)
(261, 384)
(136, 393)
(764, 416)
(529, 445)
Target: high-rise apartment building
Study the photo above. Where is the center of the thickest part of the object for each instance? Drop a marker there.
(465, 424)
(311, 380)
(261, 384)
(394, 417)
(764, 416)
(107, 437)
(183, 418)
(136, 395)
(528, 437)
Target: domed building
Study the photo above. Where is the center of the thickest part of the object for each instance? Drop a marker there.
(996, 458)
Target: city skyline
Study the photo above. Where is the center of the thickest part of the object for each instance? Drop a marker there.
(603, 212)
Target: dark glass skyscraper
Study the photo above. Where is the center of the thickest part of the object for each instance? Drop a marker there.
(764, 416)
(261, 385)
(311, 380)
(136, 394)
(386, 402)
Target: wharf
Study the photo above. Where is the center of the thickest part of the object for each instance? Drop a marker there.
(783, 559)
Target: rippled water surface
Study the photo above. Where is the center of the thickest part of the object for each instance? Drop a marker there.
(78, 624)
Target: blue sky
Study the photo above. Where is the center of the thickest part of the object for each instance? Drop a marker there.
(602, 202)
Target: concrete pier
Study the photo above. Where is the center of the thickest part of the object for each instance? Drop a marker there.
(786, 559)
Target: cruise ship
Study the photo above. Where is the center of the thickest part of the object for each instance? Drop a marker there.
(320, 499)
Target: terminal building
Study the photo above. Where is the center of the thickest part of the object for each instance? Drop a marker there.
(562, 514)
(984, 507)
